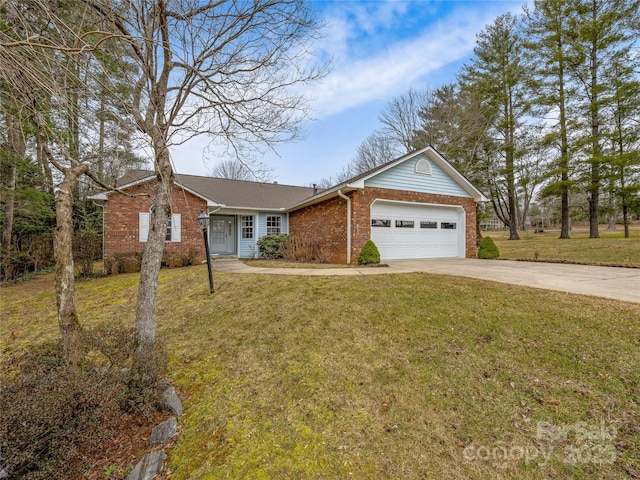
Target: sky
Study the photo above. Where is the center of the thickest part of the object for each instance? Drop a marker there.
(379, 49)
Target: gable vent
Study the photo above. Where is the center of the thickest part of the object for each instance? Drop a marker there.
(423, 166)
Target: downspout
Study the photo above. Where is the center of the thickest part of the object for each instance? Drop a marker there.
(342, 195)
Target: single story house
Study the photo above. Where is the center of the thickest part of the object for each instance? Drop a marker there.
(417, 206)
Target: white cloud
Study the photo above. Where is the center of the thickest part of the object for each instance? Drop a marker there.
(366, 69)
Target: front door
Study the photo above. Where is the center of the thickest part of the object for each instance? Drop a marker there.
(222, 234)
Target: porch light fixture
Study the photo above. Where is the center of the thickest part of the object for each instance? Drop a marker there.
(203, 221)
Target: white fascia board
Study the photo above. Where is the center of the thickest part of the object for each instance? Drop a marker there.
(98, 197)
(327, 194)
(103, 196)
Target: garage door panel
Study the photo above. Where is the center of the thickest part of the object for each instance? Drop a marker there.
(395, 242)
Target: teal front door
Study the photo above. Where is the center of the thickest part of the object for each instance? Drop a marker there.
(222, 234)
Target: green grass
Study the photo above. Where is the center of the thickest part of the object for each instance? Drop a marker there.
(610, 249)
(369, 377)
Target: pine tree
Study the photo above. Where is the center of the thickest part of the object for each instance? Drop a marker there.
(548, 42)
(606, 31)
(499, 74)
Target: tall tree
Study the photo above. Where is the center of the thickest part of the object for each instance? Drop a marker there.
(624, 133)
(606, 30)
(457, 123)
(377, 149)
(225, 69)
(498, 72)
(549, 38)
(44, 47)
(401, 118)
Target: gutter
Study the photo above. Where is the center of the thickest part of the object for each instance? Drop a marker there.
(342, 195)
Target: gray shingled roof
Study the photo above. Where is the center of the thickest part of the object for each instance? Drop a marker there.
(232, 193)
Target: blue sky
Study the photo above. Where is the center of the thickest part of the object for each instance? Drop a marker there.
(379, 49)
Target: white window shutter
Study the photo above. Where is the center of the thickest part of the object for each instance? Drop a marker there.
(143, 224)
(175, 228)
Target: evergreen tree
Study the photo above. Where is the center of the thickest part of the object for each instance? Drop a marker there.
(498, 73)
(606, 32)
(548, 42)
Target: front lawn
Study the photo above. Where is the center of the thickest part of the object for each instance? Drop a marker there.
(388, 376)
(610, 249)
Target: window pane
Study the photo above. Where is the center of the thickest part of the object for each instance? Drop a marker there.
(404, 223)
(247, 227)
(428, 224)
(448, 225)
(273, 225)
(167, 237)
(376, 222)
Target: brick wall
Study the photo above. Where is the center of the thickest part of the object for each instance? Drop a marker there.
(325, 223)
(121, 220)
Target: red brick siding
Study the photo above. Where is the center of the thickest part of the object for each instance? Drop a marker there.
(121, 217)
(325, 223)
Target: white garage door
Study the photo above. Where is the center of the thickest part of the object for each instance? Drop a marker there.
(410, 230)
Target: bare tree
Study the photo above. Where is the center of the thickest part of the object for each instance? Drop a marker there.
(377, 149)
(401, 118)
(237, 170)
(225, 69)
(42, 56)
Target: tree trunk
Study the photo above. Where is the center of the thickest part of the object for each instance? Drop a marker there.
(564, 159)
(70, 327)
(511, 184)
(44, 164)
(17, 147)
(594, 187)
(150, 268)
(7, 228)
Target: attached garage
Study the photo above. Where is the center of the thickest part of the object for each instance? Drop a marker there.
(408, 230)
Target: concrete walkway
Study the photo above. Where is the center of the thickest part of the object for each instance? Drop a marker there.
(609, 282)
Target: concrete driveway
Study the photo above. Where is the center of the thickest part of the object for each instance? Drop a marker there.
(609, 282)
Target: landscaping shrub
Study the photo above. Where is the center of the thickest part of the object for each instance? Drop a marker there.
(271, 246)
(15, 265)
(297, 249)
(124, 262)
(87, 248)
(488, 249)
(129, 264)
(56, 420)
(41, 250)
(176, 260)
(369, 254)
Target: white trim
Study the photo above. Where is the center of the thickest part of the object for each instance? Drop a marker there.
(143, 226)
(423, 167)
(176, 228)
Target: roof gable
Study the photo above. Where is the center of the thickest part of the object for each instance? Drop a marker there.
(412, 175)
(401, 174)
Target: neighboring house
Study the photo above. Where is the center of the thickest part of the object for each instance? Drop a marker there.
(417, 206)
(492, 223)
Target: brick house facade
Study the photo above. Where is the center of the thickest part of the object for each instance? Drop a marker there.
(121, 220)
(311, 222)
(427, 209)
